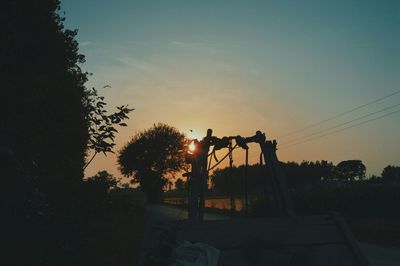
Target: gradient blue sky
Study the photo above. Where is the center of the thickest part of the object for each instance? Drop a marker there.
(240, 66)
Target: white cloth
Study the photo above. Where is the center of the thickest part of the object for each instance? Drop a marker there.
(197, 254)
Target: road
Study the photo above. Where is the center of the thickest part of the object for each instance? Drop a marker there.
(164, 212)
(377, 255)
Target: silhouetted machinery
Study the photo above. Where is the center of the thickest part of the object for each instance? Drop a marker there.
(288, 239)
(200, 169)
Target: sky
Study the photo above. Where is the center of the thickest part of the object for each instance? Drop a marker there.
(241, 66)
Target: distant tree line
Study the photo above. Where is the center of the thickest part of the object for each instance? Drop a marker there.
(298, 175)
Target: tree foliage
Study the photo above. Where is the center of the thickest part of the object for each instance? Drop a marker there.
(43, 128)
(152, 154)
(180, 184)
(103, 180)
(43, 116)
(102, 126)
(46, 127)
(96, 192)
(49, 120)
(391, 174)
(350, 170)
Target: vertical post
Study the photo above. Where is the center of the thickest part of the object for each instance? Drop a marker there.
(268, 194)
(245, 181)
(269, 150)
(233, 207)
(194, 190)
(203, 172)
(202, 186)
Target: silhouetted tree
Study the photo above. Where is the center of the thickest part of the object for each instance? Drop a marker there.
(48, 118)
(103, 180)
(43, 114)
(350, 170)
(391, 174)
(179, 184)
(45, 125)
(152, 154)
(97, 188)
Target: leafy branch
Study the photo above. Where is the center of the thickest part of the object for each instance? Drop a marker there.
(101, 125)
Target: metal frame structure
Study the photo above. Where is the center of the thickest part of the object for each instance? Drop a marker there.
(201, 166)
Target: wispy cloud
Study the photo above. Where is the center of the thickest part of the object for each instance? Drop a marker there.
(86, 43)
(197, 46)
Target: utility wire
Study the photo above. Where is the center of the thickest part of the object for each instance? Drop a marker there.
(342, 129)
(339, 125)
(341, 114)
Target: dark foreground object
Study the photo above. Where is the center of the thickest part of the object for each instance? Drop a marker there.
(312, 241)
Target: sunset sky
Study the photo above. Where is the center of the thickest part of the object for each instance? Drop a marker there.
(242, 66)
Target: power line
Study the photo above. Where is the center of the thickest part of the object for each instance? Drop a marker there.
(339, 125)
(342, 129)
(341, 114)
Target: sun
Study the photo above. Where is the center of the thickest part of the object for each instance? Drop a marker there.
(192, 147)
